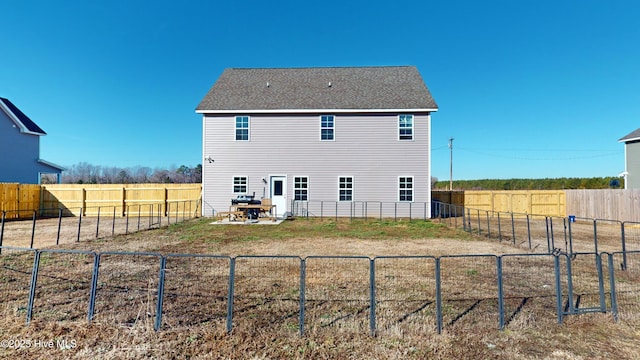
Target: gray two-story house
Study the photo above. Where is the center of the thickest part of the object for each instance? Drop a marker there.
(334, 140)
(20, 148)
(631, 159)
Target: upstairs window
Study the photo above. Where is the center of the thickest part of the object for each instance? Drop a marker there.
(242, 128)
(405, 127)
(239, 184)
(405, 187)
(326, 127)
(301, 188)
(346, 188)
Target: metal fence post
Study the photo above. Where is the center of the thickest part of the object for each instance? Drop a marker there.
(499, 228)
(488, 227)
(622, 238)
(372, 296)
(595, 235)
(94, 287)
(232, 274)
(570, 306)
(113, 224)
(33, 228)
(612, 285)
(59, 225)
(529, 231)
(500, 293)
(98, 224)
(603, 305)
(79, 224)
(438, 298)
(513, 229)
(32, 287)
(161, 273)
(556, 264)
(4, 215)
(303, 289)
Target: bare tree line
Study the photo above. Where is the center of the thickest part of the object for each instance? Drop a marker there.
(85, 173)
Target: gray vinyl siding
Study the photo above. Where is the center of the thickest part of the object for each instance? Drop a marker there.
(633, 165)
(22, 164)
(365, 147)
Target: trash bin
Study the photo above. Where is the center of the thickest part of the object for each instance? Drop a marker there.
(572, 218)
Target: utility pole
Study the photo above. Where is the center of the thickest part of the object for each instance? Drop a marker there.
(450, 164)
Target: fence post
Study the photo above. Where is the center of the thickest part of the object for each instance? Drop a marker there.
(556, 264)
(303, 289)
(163, 266)
(513, 229)
(500, 293)
(59, 225)
(603, 305)
(33, 228)
(499, 228)
(595, 235)
(98, 223)
(612, 285)
(622, 236)
(488, 227)
(438, 298)
(4, 215)
(113, 224)
(79, 224)
(529, 231)
(94, 287)
(570, 305)
(32, 287)
(372, 296)
(232, 274)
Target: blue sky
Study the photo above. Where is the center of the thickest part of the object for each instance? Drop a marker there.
(528, 89)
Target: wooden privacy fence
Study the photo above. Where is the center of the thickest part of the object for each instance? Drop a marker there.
(519, 202)
(19, 201)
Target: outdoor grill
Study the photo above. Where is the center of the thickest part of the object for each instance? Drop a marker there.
(250, 213)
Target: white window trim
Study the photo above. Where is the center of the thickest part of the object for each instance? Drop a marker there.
(235, 127)
(413, 194)
(353, 187)
(413, 126)
(333, 128)
(294, 186)
(233, 184)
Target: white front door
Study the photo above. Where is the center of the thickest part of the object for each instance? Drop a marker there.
(279, 194)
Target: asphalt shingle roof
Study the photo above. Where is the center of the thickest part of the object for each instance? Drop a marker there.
(348, 88)
(24, 119)
(635, 135)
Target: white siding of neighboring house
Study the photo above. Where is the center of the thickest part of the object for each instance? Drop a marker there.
(632, 154)
(366, 147)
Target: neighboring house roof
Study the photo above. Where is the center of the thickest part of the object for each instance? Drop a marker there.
(51, 165)
(319, 88)
(25, 124)
(633, 136)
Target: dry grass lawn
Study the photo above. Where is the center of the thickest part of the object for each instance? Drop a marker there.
(265, 311)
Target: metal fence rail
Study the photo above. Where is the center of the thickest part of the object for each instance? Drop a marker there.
(48, 227)
(387, 294)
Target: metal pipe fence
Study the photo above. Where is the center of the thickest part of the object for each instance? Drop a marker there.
(48, 227)
(350, 294)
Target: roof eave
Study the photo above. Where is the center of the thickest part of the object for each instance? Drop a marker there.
(626, 140)
(50, 164)
(23, 128)
(313, 111)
